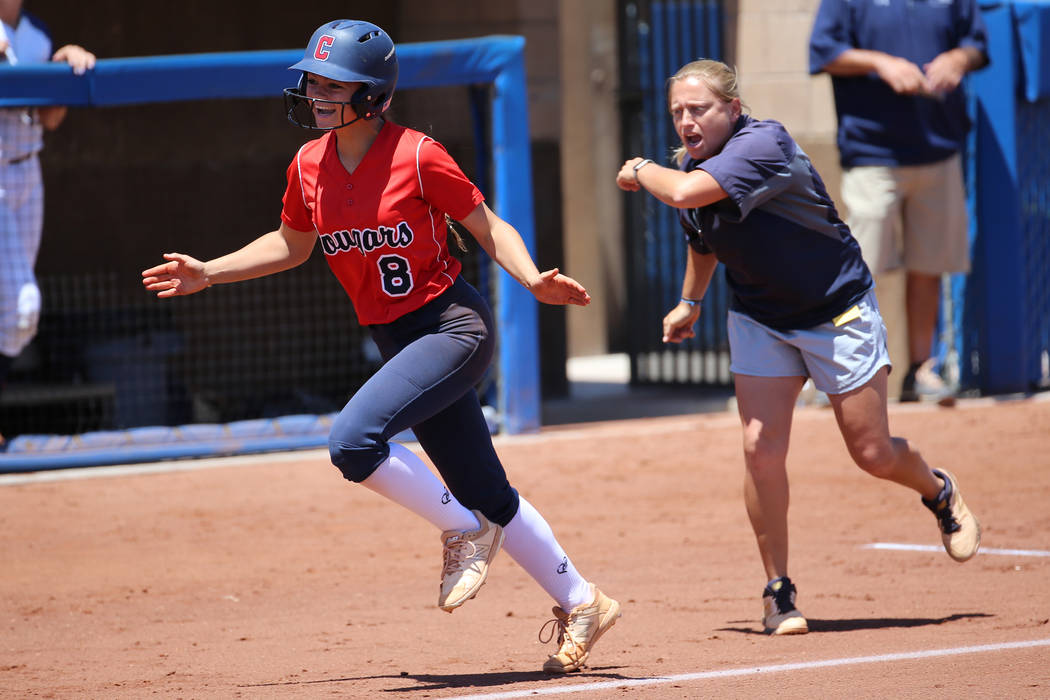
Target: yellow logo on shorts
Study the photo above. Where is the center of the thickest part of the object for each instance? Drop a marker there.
(847, 316)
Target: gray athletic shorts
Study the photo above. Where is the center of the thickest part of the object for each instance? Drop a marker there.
(840, 355)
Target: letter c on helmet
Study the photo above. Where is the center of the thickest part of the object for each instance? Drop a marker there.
(322, 52)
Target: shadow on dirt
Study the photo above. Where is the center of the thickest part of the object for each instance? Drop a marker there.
(874, 623)
(434, 681)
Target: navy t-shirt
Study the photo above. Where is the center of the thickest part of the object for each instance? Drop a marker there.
(790, 261)
(876, 126)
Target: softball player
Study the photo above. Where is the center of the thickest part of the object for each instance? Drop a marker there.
(376, 194)
(23, 40)
(803, 306)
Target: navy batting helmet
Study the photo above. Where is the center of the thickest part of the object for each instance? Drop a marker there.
(351, 51)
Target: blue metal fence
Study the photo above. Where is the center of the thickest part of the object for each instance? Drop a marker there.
(658, 38)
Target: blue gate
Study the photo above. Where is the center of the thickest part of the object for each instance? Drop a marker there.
(1006, 299)
(657, 38)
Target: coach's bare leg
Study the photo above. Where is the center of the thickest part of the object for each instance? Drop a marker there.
(766, 405)
(864, 423)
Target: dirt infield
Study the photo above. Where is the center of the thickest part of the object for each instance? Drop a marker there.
(274, 578)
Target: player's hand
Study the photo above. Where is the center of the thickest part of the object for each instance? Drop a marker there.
(945, 72)
(552, 287)
(903, 76)
(679, 321)
(79, 58)
(627, 179)
(179, 276)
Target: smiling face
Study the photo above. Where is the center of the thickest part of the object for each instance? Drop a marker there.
(325, 112)
(703, 120)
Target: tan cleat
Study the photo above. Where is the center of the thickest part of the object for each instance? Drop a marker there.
(960, 531)
(467, 556)
(780, 614)
(578, 631)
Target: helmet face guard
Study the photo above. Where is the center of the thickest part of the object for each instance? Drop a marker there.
(300, 109)
(350, 51)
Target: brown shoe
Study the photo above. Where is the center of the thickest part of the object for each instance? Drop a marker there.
(465, 566)
(578, 631)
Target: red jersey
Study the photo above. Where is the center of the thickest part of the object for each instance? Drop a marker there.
(382, 227)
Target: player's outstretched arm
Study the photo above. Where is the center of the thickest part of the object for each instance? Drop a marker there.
(504, 245)
(179, 276)
(272, 252)
(552, 287)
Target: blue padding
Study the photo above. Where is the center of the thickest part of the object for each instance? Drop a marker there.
(148, 79)
(102, 439)
(1032, 24)
(519, 371)
(45, 452)
(259, 427)
(203, 432)
(152, 435)
(40, 443)
(42, 452)
(24, 462)
(303, 425)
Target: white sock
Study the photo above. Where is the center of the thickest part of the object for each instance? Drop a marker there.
(406, 480)
(530, 541)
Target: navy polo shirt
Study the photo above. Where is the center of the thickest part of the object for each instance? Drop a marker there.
(790, 261)
(876, 126)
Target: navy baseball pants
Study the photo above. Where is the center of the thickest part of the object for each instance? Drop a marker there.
(434, 357)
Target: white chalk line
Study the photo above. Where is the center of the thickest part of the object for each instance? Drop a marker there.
(934, 548)
(756, 670)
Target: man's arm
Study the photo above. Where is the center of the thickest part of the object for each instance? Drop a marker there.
(903, 76)
(80, 60)
(946, 71)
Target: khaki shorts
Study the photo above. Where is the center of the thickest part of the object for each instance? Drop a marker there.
(912, 216)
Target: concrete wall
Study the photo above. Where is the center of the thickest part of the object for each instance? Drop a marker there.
(772, 57)
(590, 147)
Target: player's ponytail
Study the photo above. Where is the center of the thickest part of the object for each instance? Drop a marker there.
(453, 233)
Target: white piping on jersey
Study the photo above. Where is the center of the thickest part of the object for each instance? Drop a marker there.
(299, 167)
(430, 211)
